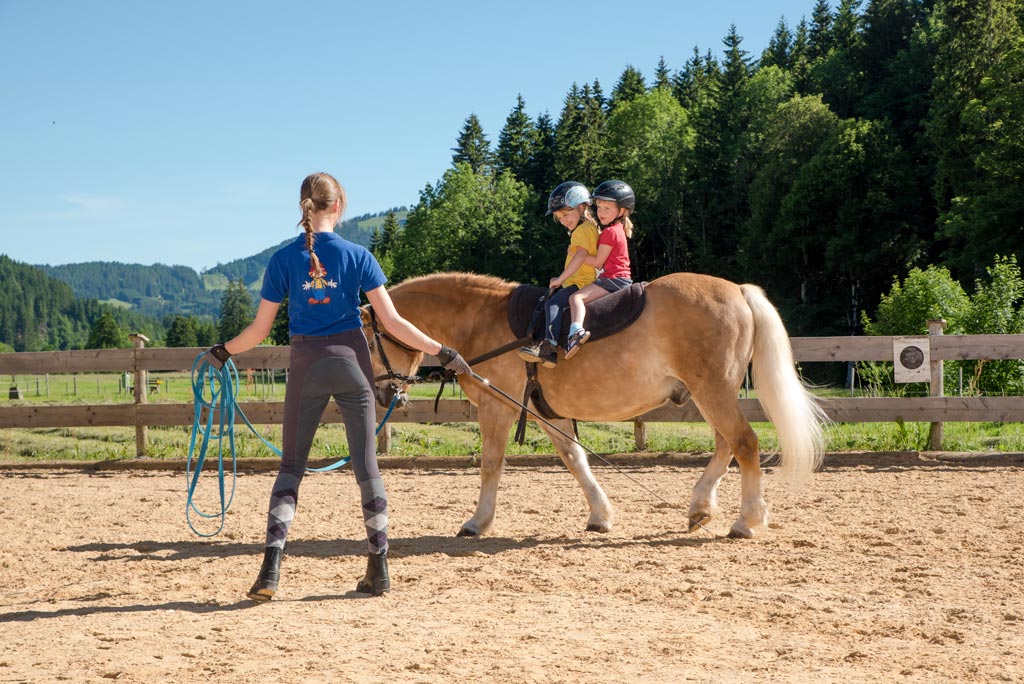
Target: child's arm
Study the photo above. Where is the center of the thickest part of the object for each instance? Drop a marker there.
(574, 264)
(602, 256)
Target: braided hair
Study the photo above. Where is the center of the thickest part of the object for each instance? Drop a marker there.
(318, 192)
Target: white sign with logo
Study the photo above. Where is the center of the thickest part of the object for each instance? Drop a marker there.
(910, 359)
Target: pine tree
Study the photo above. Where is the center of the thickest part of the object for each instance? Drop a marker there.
(517, 141)
(820, 36)
(182, 332)
(662, 77)
(629, 87)
(736, 66)
(846, 27)
(540, 169)
(106, 334)
(388, 235)
(279, 332)
(579, 136)
(696, 84)
(472, 147)
(780, 46)
(800, 57)
(236, 310)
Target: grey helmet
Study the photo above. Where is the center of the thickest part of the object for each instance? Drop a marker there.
(616, 191)
(568, 195)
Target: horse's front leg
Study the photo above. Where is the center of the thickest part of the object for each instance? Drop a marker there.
(495, 421)
(575, 459)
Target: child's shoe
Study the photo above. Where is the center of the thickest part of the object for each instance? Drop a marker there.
(576, 341)
(542, 353)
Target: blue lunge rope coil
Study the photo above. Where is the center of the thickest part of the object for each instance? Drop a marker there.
(221, 405)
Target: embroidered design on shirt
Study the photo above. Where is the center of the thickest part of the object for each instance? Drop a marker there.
(318, 284)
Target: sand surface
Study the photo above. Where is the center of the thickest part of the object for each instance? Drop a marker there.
(885, 569)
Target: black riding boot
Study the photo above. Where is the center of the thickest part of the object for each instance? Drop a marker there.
(270, 574)
(376, 581)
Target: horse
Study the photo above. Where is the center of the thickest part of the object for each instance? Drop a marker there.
(694, 341)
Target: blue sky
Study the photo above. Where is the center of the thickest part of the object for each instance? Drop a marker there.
(179, 132)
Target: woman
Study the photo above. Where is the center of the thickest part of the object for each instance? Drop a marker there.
(322, 274)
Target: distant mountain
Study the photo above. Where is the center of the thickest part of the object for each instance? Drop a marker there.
(159, 290)
(153, 290)
(359, 230)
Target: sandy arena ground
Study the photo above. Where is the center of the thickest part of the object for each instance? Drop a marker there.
(888, 568)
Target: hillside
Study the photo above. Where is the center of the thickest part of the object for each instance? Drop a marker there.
(159, 290)
(39, 312)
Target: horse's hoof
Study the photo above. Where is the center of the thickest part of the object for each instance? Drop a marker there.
(594, 527)
(735, 533)
(697, 521)
(465, 532)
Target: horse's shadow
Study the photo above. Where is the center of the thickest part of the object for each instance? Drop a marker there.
(153, 550)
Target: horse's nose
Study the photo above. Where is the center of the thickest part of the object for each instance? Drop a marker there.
(385, 395)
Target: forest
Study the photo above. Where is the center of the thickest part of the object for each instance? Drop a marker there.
(865, 141)
(868, 144)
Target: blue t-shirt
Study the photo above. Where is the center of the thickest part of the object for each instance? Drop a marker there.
(325, 302)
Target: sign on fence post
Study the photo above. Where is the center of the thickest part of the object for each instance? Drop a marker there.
(141, 431)
(910, 359)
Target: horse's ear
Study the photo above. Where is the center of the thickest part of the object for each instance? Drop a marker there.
(364, 314)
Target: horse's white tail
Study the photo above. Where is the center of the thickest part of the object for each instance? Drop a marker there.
(795, 412)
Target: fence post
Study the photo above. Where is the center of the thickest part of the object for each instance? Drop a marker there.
(384, 439)
(640, 434)
(141, 386)
(935, 327)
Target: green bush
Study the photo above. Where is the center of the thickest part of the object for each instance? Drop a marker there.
(996, 307)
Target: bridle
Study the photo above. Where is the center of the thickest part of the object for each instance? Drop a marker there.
(396, 381)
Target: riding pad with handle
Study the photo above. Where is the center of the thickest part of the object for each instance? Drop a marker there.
(611, 314)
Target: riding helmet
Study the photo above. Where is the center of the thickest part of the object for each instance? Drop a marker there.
(568, 195)
(616, 191)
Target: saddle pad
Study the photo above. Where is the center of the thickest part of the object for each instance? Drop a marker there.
(605, 317)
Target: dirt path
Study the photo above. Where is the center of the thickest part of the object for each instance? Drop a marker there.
(883, 570)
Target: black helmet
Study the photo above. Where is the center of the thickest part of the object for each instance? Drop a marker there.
(616, 191)
(568, 195)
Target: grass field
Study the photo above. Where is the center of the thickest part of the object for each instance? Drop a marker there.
(409, 439)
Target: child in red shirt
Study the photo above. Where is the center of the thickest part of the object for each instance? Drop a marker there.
(615, 201)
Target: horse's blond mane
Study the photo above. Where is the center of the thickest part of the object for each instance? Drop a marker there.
(457, 280)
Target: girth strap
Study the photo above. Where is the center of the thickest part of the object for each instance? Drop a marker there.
(536, 393)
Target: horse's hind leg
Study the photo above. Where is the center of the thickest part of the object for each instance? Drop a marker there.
(704, 501)
(495, 422)
(575, 459)
(731, 425)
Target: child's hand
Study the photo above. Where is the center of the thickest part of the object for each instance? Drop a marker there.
(555, 283)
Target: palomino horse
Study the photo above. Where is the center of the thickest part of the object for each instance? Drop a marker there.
(695, 339)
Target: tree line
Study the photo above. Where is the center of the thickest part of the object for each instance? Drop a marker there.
(865, 141)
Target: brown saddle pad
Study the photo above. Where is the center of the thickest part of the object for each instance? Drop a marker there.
(605, 317)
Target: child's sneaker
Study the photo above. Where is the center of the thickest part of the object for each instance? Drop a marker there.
(576, 341)
(543, 353)
(530, 354)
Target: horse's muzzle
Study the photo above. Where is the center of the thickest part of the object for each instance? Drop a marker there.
(385, 395)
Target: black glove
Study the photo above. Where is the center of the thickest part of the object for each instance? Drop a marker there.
(217, 356)
(452, 360)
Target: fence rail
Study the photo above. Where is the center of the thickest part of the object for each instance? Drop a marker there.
(933, 409)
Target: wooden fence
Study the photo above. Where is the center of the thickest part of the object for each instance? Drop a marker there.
(934, 409)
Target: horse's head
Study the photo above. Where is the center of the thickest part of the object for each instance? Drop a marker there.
(394, 363)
